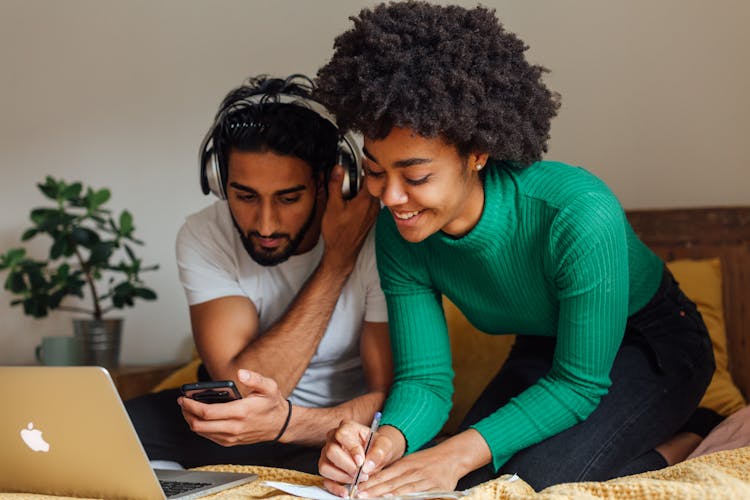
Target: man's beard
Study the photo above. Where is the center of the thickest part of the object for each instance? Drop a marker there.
(277, 255)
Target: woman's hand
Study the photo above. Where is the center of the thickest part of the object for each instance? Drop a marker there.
(344, 453)
(255, 418)
(426, 470)
(434, 469)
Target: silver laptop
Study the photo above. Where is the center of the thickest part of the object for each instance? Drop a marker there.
(64, 431)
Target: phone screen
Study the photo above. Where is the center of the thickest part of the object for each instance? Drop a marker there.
(220, 391)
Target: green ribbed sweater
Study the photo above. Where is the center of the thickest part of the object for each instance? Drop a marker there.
(552, 255)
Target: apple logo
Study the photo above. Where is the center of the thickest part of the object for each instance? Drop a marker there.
(33, 438)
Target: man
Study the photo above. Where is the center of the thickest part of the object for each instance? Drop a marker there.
(283, 291)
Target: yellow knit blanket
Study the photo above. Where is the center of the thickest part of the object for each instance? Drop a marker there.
(720, 475)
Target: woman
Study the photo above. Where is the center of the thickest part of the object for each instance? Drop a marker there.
(611, 358)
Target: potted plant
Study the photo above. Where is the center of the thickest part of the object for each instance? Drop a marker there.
(90, 252)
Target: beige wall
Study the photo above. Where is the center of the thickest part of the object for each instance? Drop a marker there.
(119, 93)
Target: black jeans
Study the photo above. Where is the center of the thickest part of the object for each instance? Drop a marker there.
(165, 435)
(659, 375)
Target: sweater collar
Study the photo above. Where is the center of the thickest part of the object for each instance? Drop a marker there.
(497, 223)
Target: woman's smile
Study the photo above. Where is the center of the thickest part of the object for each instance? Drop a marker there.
(403, 216)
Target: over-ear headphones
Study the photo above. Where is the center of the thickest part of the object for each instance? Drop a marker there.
(348, 154)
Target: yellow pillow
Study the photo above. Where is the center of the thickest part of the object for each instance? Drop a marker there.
(477, 357)
(183, 375)
(701, 281)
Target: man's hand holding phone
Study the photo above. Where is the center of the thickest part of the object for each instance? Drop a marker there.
(263, 415)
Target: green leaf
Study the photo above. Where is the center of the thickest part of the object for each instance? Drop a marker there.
(12, 257)
(100, 253)
(35, 306)
(36, 279)
(118, 301)
(85, 237)
(78, 202)
(58, 248)
(28, 234)
(71, 192)
(123, 295)
(125, 288)
(75, 284)
(99, 198)
(50, 188)
(62, 272)
(41, 216)
(15, 282)
(145, 293)
(49, 219)
(56, 297)
(126, 223)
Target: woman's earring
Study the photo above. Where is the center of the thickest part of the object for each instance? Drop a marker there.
(479, 166)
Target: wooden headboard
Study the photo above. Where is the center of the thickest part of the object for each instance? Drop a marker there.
(710, 232)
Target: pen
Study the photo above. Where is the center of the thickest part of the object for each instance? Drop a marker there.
(373, 428)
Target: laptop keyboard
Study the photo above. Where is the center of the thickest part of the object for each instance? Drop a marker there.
(176, 487)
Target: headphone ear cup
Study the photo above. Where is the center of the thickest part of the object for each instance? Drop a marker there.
(210, 171)
(352, 172)
(204, 160)
(211, 178)
(350, 157)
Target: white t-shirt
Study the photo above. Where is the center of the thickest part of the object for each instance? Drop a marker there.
(213, 263)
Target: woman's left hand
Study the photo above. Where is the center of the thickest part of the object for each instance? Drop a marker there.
(434, 469)
(427, 470)
(255, 418)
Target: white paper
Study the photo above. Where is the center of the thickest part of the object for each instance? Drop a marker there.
(318, 493)
(314, 492)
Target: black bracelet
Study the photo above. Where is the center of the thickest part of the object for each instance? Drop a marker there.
(286, 423)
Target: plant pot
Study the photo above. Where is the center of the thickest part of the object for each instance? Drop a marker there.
(101, 341)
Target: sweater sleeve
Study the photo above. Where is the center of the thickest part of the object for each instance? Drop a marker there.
(420, 397)
(587, 253)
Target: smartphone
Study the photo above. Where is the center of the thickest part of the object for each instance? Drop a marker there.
(217, 391)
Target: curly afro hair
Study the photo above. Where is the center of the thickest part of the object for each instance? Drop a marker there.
(441, 71)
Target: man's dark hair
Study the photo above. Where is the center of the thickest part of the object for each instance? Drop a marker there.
(441, 71)
(283, 128)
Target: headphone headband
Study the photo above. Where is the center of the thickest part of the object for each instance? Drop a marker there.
(256, 99)
(349, 153)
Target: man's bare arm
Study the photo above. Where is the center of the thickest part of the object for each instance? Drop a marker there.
(309, 425)
(227, 337)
